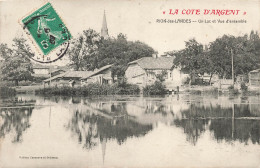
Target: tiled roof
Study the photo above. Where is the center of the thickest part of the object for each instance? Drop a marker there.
(255, 71)
(55, 70)
(39, 66)
(97, 71)
(71, 74)
(152, 63)
(78, 74)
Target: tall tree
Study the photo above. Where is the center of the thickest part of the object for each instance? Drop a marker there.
(83, 49)
(189, 59)
(119, 52)
(89, 51)
(245, 52)
(17, 66)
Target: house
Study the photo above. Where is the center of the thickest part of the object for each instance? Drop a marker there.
(223, 83)
(47, 71)
(69, 78)
(145, 71)
(101, 76)
(254, 78)
(55, 72)
(40, 71)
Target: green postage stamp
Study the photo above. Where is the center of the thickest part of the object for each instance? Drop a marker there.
(46, 28)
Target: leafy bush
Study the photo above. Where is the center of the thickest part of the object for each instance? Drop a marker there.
(7, 91)
(211, 91)
(243, 86)
(155, 89)
(232, 90)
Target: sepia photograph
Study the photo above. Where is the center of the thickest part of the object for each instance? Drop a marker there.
(129, 83)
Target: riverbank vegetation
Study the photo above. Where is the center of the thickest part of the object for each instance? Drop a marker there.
(7, 91)
(218, 57)
(91, 89)
(155, 89)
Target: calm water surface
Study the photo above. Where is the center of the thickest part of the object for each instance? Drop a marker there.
(124, 131)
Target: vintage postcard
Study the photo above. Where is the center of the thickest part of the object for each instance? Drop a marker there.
(129, 83)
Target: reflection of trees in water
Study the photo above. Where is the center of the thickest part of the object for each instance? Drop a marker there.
(91, 128)
(193, 128)
(118, 109)
(15, 120)
(195, 120)
(243, 131)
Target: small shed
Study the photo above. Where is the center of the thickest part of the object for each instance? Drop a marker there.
(101, 76)
(254, 78)
(69, 78)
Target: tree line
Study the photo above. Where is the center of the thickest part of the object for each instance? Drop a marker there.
(216, 58)
(88, 51)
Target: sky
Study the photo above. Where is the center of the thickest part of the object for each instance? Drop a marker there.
(137, 19)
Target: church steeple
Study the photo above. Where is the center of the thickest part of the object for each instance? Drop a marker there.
(104, 29)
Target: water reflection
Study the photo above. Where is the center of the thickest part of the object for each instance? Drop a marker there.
(92, 125)
(14, 120)
(94, 120)
(97, 119)
(126, 125)
(226, 123)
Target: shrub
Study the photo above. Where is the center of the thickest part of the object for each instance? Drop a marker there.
(243, 86)
(7, 91)
(211, 91)
(155, 89)
(232, 90)
(195, 92)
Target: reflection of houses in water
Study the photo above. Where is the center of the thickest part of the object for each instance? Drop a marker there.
(153, 111)
(92, 126)
(119, 119)
(95, 122)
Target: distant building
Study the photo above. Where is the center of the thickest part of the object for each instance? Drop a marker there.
(47, 71)
(208, 78)
(69, 78)
(145, 71)
(81, 78)
(40, 71)
(104, 29)
(223, 83)
(56, 72)
(101, 76)
(254, 78)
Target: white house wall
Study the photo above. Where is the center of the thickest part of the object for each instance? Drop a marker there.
(41, 71)
(136, 75)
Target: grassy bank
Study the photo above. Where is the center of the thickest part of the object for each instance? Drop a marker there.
(91, 89)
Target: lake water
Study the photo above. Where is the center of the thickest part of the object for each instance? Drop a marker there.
(128, 131)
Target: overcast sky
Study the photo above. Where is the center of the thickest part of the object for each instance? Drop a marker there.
(137, 19)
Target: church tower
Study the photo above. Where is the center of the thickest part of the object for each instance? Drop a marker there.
(104, 30)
